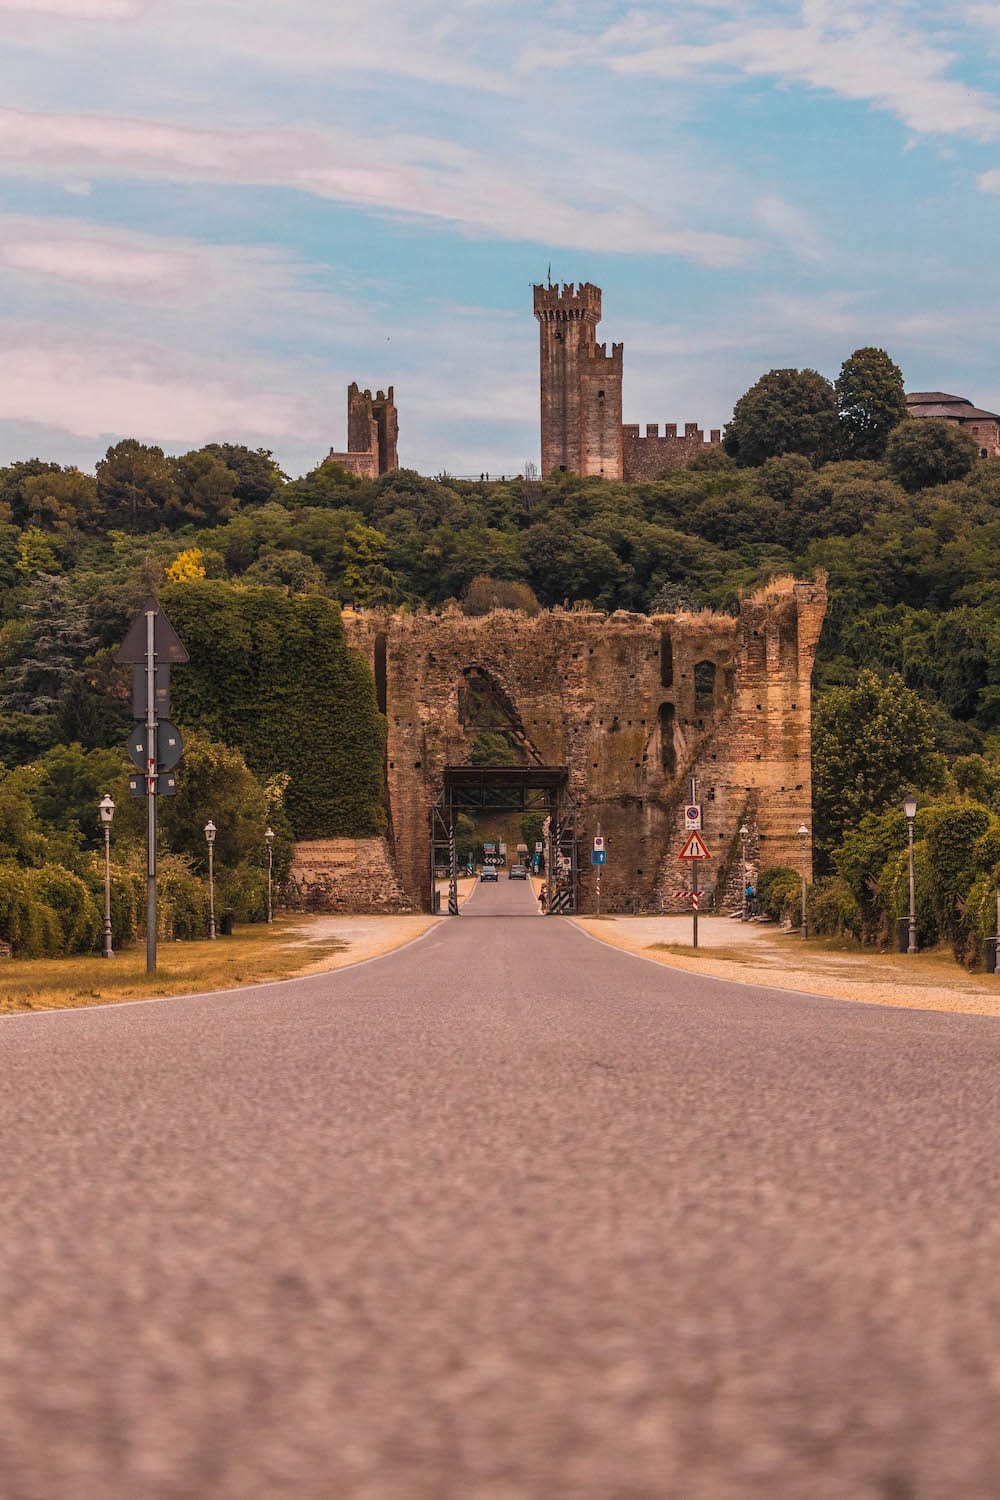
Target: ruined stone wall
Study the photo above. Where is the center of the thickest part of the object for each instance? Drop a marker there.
(645, 458)
(632, 705)
(372, 433)
(344, 875)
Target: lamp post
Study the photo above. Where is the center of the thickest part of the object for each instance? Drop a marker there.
(269, 839)
(803, 838)
(210, 831)
(910, 813)
(744, 836)
(107, 810)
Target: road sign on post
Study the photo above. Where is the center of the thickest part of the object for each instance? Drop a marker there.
(151, 644)
(692, 816)
(695, 848)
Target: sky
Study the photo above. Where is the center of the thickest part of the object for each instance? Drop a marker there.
(215, 214)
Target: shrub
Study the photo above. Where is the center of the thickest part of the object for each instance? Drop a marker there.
(779, 893)
(80, 920)
(833, 910)
(32, 928)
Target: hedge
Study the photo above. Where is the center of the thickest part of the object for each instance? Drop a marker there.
(274, 676)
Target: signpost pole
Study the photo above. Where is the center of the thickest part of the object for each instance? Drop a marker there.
(598, 886)
(151, 774)
(693, 798)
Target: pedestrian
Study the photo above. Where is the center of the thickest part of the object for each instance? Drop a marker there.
(751, 897)
(543, 895)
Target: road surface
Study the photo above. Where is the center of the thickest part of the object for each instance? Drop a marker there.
(506, 1214)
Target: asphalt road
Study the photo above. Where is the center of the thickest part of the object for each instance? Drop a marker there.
(506, 1214)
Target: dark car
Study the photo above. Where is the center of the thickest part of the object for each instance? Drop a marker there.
(518, 872)
(488, 872)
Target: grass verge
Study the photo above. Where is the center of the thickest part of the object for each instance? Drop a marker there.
(253, 957)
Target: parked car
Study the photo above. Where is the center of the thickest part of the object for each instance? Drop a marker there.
(489, 872)
(518, 872)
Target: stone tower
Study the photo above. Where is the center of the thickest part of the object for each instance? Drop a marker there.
(581, 384)
(372, 434)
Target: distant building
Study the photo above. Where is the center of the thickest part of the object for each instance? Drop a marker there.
(372, 431)
(581, 398)
(983, 426)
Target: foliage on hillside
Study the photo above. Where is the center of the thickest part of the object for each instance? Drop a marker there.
(252, 567)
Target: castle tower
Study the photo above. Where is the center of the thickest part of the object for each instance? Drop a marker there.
(372, 433)
(581, 384)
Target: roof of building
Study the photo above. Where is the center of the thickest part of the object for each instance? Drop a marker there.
(958, 408)
(936, 398)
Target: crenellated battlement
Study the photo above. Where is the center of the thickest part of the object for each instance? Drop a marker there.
(645, 456)
(568, 302)
(581, 397)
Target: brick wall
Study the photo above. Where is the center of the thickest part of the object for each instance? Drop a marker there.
(632, 705)
(646, 457)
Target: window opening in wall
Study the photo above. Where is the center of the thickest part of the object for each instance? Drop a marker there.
(666, 660)
(704, 686)
(381, 672)
(668, 752)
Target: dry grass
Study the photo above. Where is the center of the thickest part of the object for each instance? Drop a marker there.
(259, 954)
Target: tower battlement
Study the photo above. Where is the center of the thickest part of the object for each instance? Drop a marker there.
(581, 397)
(372, 431)
(560, 304)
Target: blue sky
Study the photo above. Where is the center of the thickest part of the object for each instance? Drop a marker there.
(214, 214)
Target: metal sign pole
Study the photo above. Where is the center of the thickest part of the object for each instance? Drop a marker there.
(151, 774)
(693, 798)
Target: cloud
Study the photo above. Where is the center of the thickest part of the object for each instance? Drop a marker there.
(861, 52)
(397, 174)
(92, 388)
(76, 10)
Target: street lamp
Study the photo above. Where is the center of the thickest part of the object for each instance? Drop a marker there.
(210, 831)
(107, 810)
(910, 813)
(744, 836)
(803, 838)
(269, 839)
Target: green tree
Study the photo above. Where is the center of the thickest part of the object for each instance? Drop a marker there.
(136, 485)
(60, 500)
(287, 569)
(486, 594)
(871, 401)
(258, 478)
(366, 578)
(929, 450)
(214, 783)
(787, 411)
(205, 490)
(871, 743)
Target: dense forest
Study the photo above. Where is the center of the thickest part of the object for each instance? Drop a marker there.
(903, 516)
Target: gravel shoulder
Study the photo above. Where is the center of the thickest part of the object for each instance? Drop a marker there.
(752, 953)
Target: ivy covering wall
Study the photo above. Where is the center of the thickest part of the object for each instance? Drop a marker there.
(273, 675)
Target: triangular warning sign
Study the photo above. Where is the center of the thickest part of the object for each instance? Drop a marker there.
(166, 642)
(695, 848)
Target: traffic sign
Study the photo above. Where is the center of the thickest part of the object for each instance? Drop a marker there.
(598, 842)
(166, 642)
(161, 692)
(599, 857)
(695, 848)
(166, 786)
(169, 746)
(539, 848)
(692, 816)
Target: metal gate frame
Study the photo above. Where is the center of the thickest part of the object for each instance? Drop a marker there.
(510, 789)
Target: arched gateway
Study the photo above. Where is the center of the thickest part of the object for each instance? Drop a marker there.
(603, 718)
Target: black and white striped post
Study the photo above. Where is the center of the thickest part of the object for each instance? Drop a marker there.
(452, 872)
